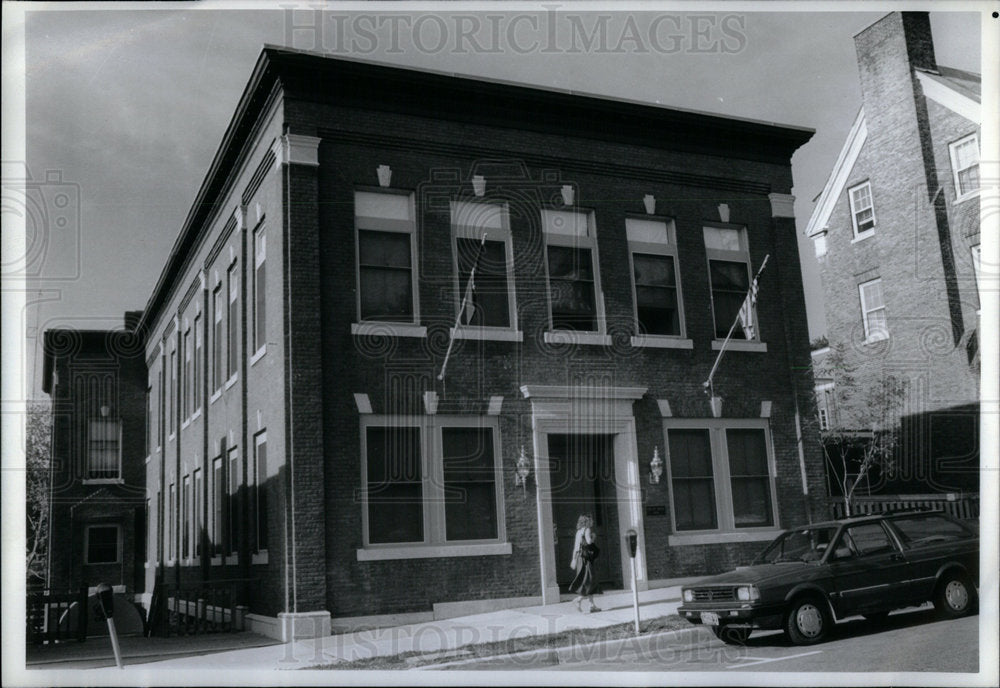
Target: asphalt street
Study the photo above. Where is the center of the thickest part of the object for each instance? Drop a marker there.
(909, 641)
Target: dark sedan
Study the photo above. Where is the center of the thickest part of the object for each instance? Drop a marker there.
(809, 577)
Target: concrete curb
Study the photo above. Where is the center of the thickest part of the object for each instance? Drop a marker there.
(609, 645)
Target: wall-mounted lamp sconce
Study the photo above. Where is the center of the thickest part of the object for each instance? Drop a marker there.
(567, 194)
(384, 175)
(105, 410)
(478, 184)
(522, 470)
(649, 201)
(655, 467)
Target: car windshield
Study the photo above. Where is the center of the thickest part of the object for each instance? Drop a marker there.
(806, 544)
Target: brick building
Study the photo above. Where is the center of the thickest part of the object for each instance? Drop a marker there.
(302, 435)
(98, 504)
(896, 232)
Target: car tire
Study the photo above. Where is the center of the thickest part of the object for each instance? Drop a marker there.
(808, 621)
(732, 635)
(954, 596)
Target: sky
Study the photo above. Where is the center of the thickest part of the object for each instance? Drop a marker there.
(125, 108)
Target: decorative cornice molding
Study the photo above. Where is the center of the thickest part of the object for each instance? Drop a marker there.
(581, 392)
(297, 149)
(547, 161)
(782, 205)
(258, 176)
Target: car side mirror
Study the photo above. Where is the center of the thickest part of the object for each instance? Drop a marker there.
(841, 553)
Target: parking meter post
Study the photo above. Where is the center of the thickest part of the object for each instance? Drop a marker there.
(633, 540)
(105, 595)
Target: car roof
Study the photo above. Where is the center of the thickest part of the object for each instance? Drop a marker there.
(867, 518)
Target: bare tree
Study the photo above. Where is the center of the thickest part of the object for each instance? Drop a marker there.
(863, 426)
(38, 456)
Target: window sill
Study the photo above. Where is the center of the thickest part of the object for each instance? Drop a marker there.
(216, 561)
(148, 458)
(215, 395)
(259, 558)
(966, 197)
(864, 235)
(875, 340)
(231, 381)
(103, 481)
(740, 345)
(195, 416)
(388, 329)
(432, 551)
(662, 342)
(574, 337)
(674, 540)
(259, 355)
(495, 334)
(186, 422)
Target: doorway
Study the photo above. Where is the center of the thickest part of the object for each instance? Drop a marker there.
(582, 470)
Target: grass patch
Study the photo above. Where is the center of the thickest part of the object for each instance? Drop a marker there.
(553, 641)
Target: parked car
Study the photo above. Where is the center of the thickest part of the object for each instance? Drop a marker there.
(809, 577)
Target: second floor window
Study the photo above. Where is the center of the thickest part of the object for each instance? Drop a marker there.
(873, 310)
(386, 247)
(862, 209)
(571, 262)
(103, 449)
(187, 384)
(218, 308)
(233, 325)
(653, 250)
(490, 303)
(965, 164)
(729, 275)
(197, 366)
(259, 288)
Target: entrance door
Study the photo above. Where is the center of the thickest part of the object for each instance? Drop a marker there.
(583, 482)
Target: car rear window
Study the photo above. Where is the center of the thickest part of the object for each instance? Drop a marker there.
(917, 530)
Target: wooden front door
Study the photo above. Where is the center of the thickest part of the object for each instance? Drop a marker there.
(583, 482)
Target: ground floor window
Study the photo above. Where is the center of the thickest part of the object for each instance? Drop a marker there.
(103, 544)
(720, 474)
(431, 480)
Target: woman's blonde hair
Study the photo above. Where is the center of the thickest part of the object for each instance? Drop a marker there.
(585, 521)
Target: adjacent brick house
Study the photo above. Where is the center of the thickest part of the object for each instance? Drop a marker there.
(304, 433)
(98, 504)
(896, 232)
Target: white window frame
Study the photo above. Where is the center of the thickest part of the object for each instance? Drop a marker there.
(187, 518)
(664, 249)
(174, 401)
(960, 194)
(86, 470)
(219, 341)
(187, 372)
(460, 230)
(172, 523)
(726, 530)
(259, 265)
(870, 335)
(576, 241)
(859, 235)
(824, 418)
(259, 554)
(198, 499)
(397, 328)
(434, 543)
(196, 367)
(232, 328)
(739, 256)
(161, 402)
(118, 545)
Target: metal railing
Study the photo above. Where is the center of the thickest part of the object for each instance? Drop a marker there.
(51, 618)
(197, 608)
(963, 506)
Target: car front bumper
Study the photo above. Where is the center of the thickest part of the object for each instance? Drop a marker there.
(747, 617)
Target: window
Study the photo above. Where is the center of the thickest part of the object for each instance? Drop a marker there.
(196, 367)
(720, 475)
(873, 310)
(862, 210)
(571, 263)
(491, 301)
(149, 420)
(187, 386)
(259, 289)
(173, 391)
(186, 508)
(977, 258)
(921, 530)
(965, 164)
(729, 275)
(653, 251)
(432, 481)
(218, 502)
(103, 544)
(146, 534)
(232, 518)
(218, 308)
(199, 486)
(161, 407)
(260, 490)
(159, 526)
(233, 324)
(824, 419)
(103, 449)
(172, 520)
(867, 539)
(387, 284)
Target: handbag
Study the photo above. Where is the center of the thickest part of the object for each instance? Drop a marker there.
(589, 551)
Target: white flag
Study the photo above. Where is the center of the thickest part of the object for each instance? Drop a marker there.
(747, 310)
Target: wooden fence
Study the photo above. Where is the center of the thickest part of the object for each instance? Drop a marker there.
(965, 507)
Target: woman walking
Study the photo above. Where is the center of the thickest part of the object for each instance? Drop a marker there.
(584, 552)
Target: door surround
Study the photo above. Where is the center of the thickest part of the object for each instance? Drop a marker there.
(557, 409)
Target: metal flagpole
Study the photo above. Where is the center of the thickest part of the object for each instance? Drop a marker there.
(461, 310)
(708, 383)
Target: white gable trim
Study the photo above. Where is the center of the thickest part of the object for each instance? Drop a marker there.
(838, 177)
(950, 98)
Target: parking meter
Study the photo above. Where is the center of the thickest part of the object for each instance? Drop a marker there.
(106, 598)
(633, 541)
(632, 538)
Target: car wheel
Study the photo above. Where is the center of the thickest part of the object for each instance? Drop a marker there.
(808, 621)
(877, 617)
(732, 635)
(955, 596)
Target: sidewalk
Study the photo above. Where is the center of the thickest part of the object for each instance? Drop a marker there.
(439, 636)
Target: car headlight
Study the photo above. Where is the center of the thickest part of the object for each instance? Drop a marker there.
(747, 593)
(689, 595)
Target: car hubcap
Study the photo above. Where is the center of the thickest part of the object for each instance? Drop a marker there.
(809, 620)
(957, 595)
